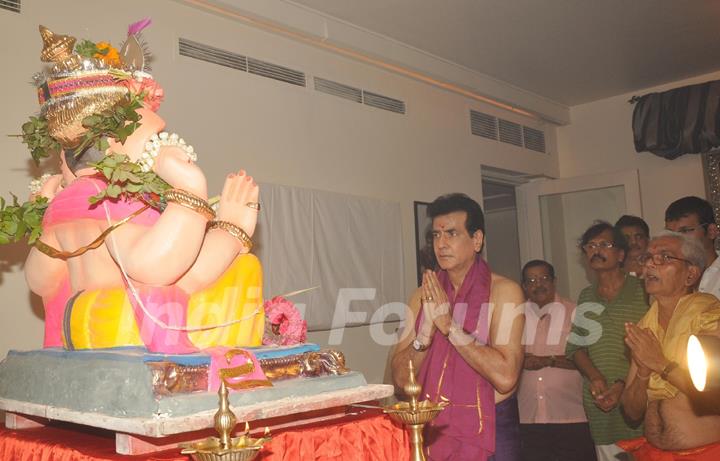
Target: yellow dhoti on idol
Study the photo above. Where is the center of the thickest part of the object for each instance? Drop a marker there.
(236, 295)
(227, 313)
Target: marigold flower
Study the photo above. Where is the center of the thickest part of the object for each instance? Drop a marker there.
(108, 53)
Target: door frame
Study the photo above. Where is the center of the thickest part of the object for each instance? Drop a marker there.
(527, 200)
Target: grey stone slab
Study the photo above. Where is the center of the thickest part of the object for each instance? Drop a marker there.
(121, 386)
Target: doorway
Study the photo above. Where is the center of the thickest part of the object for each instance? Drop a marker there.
(535, 217)
(502, 247)
(553, 214)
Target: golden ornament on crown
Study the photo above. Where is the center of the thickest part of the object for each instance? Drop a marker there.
(85, 79)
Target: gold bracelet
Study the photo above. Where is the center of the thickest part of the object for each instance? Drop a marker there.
(233, 230)
(188, 200)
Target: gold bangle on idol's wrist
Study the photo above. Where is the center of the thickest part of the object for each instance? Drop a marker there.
(188, 200)
(233, 230)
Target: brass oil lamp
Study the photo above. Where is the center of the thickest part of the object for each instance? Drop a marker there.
(226, 447)
(414, 415)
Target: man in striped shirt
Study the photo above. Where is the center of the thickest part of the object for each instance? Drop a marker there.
(596, 344)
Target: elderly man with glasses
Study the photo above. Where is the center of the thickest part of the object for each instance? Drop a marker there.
(659, 390)
(694, 216)
(596, 343)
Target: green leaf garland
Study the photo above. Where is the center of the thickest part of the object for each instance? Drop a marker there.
(119, 122)
(126, 179)
(88, 49)
(19, 221)
(35, 135)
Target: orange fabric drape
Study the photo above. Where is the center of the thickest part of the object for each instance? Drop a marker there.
(368, 439)
(643, 451)
(373, 439)
(60, 443)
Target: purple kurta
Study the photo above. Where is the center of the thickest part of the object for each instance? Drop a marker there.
(466, 428)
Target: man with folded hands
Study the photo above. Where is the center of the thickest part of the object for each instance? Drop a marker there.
(679, 424)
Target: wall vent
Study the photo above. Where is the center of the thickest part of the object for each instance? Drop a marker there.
(510, 132)
(338, 89)
(360, 96)
(276, 72)
(383, 102)
(491, 127)
(10, 5)
(534, 139)
(254, 66)
(213, 55)
(484, 125)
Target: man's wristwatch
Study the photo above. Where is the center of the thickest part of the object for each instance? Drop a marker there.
(419, 346)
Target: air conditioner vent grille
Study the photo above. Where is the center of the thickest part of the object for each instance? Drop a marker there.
(358, 95)
(212, 55)
(10, 5)
(490, 127)
(484, 125)
(510, 132)
(383, 102)
(254, 66)
(534, 139)
(276, 72)
(261, 68)
(338, 89)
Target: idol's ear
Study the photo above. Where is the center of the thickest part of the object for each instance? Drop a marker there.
(134, 53)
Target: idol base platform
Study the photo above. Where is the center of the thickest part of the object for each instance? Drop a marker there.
(114, 390)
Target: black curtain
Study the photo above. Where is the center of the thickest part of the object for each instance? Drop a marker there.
(680, 121)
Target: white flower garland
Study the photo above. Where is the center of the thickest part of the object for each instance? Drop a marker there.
(36, 184)
(152, 149)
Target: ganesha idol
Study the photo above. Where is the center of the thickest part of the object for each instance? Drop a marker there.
(166, 271)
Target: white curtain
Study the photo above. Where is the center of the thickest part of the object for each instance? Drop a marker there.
(307, 238)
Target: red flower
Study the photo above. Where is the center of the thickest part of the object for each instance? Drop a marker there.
(286, 325)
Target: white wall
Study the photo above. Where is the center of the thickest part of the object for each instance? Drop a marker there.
(600, 139)
(282, 134)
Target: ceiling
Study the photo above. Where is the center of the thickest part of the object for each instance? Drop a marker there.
(568, 51)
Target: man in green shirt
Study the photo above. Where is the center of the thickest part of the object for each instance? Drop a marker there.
(596, 344)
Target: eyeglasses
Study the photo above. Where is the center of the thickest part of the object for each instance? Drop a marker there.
(537, 281)
(659, 259)
(595, 245)
(690, 230)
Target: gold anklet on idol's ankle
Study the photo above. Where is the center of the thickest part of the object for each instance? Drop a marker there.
(232, 229)
(188, 200)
